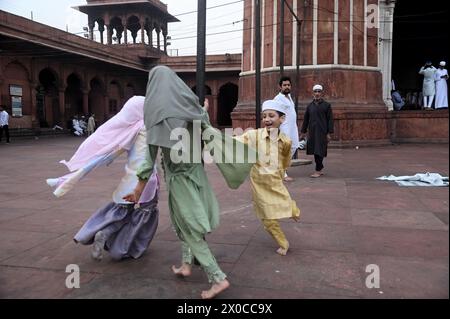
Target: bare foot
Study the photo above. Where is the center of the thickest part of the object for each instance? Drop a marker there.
(283, 251)
(288, 179)
(216, 289)
(184, 271)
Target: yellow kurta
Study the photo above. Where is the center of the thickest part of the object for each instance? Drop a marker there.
(271, 199)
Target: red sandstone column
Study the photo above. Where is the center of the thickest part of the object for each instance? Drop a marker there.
(214, 109)
(85, 102)
(164, 31)
(91, 26)
(101, 28)
(125, 30)
(3, 91)
(158, 38)
(34, 118)
(62, 106)
(109, 34)
(106, 108)
(143, 32)
(150, 34)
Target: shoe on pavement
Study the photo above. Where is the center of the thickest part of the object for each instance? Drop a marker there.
(97, 247)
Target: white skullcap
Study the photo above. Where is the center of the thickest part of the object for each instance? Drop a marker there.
(273, 105)
(318, 87)
(442, 63)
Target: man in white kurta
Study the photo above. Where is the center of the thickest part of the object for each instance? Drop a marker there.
(289, 127)
(441, 77)
(429, 89)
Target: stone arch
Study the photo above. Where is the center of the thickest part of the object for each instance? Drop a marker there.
(116, 24)
(47, 99)
(74, 95)
(134, 26)
(115, 98)
(226, 100)
(148, 26)
(130, 91)
(100, 22)
(75, 74)
(96, 98)
(15, 73)
(426, 37)
(16, 65)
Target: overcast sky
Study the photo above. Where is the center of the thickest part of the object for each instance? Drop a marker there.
(228, 18)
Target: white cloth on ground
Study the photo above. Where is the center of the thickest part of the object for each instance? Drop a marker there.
(426, 180)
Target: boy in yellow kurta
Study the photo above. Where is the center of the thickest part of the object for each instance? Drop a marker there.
(271, 199)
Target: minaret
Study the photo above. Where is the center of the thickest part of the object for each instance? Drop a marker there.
(339, 48)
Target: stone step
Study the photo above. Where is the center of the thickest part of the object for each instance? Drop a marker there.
(300, 162)
(43, 132)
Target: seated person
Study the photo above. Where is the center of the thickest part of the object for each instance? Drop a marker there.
(397, 100)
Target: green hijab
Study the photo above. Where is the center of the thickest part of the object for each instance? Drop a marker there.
(170, 104)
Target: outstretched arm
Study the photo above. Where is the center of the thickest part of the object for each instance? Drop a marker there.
(65, 183)
(144, 172)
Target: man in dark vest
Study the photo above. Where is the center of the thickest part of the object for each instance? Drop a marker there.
(318, 126)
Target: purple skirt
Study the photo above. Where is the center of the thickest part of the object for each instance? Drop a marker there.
(129, 231)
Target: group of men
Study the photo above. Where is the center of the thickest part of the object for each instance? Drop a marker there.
(434, 85)
(80, 126)
(317, 125)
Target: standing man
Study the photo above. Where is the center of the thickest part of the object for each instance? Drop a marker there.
(91, 125)
(289, 127)
(4, 124)
(397, 100)
(441, 78)
(319, 125)
(429, 88)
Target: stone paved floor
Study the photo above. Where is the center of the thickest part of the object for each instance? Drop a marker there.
(349, 221)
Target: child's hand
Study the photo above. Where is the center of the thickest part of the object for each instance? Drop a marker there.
(134, 197)
(130, 198)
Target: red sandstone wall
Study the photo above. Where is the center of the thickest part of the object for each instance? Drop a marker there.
(25, 72)
(341, 86)
(419, 126)
(325, 29)
(246, 53)
(375, 127)
(344, 32)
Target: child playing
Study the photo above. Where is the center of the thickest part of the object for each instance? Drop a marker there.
(122, 228)
(194, 211)
(271, 199)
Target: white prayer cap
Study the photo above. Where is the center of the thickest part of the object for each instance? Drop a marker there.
(442, 63)
(273, 105)
(318, 87)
